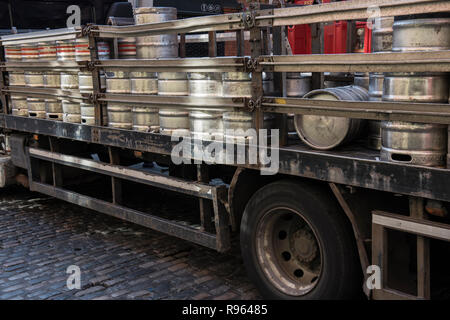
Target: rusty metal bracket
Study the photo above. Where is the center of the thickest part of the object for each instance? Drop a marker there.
(248, 19)
(252, 105)
(251, 64)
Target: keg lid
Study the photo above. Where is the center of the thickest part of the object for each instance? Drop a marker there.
(322, 132)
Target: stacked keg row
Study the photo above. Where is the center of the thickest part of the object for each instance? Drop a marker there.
(61, 109)
(381, 42)
(17, 78)
(416, 143)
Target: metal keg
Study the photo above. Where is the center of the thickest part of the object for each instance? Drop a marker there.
(87, 111)
(381, 42)
(173, 120)
(53, 109)
(237, 84)
(205, 124)
(18, 103)
(119, 115)
(103, 50)
(416, 143)
(118, 82)
(144, 82)
(16, 79)
(82, 52)
(361, 79)
(297, 85)
(421, 35)
(85, 82)
(376, 81)
(30, 52)
(236, 123)
(19, 106)
(382, 34)
(71, 111)
(268, 84)
(13, 53)
(173, 84)
(36, 107)
(324, 132)
(127, 48)
(159, 46)
(65, 51)
(47, 52)
(145, 118)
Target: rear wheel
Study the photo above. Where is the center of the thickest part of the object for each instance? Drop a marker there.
(296, 244)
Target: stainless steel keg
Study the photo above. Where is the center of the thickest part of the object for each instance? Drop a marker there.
(36, 107)
(324, 132)
(144, 82)
(19, 106)
(103, 50)
(118, 82)
(159, 46)
(376, 81)
(30, 52)
(53, 109)
(205, 124)
(145, 118)
(13, 53)
(297, 85)
(421, 35)
(120, 115)
(382, 34)
(239, 124)
(47, 52)
(381, 42)
(174, 120)
(127, 48)
(173, 84)
(71, 111)
(87, 111)
(416, 143)
(268, 84)
(82, 52)
(361, 79)
(65, 51)
(237, 84)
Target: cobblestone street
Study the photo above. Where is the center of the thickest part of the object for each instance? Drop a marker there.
(40, 237)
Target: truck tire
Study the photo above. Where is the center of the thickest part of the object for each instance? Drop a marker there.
(296, 244)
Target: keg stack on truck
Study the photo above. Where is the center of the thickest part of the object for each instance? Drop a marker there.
(363, 153)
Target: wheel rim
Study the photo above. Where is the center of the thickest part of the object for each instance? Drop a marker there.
(288, 251)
